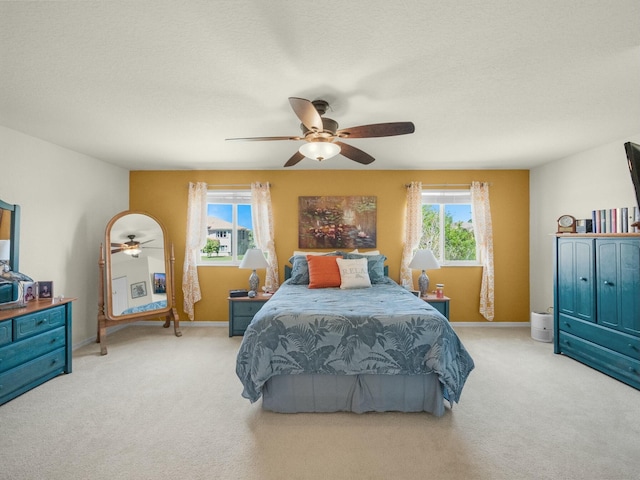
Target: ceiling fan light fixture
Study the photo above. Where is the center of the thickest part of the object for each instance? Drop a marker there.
(135, 251)
(319, 150)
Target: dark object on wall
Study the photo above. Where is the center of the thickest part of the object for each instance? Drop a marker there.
(633, 158)
(584, 225)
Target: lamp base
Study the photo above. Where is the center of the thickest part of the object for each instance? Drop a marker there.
(423, 283)
(254, 281)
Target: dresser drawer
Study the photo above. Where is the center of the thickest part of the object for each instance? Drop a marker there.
(248, 309)
(34, 323)
(611, 339)
(5, 332)
(622, 367)
(22, 378)
(30, 348)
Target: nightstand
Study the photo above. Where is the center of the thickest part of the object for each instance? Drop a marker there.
(242, 310)
(440, 304)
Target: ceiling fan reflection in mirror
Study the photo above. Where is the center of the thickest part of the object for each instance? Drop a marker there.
(132, 247)
(321, 134)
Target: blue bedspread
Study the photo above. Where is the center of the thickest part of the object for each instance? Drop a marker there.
(160, 304)
(384, 329)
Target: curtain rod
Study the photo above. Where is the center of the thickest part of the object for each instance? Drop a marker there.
(234, 185)
(444, 184)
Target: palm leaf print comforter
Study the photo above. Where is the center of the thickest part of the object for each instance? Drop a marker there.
(382, 330)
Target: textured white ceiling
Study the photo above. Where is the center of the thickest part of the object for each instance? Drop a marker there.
(154, 85)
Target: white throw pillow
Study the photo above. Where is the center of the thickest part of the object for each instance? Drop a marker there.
(353, 273)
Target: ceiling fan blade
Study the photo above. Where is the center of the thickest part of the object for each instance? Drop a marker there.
(355, 154)
(307, 113)
(377, 130)
(263, 139)
(116, 250)
(117, 245)
(294, 159)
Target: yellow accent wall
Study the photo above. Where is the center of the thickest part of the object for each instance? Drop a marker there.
(164, 195)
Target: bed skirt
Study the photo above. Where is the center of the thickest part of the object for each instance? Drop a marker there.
(353, 393)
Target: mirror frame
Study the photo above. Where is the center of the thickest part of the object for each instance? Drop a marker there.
(14, 236)
(167, 267)
(107, 319)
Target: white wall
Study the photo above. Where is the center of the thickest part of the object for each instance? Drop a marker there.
(576, 185)
(66, 200)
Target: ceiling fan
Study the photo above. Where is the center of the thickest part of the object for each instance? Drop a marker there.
(321, 134)
(132, 247)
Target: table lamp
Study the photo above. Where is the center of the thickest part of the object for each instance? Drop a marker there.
(253, 259)
(424, 260)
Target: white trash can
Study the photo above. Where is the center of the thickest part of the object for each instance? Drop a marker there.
(542, 326)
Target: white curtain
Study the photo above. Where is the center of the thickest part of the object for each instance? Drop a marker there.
(262, 215)
(195, 241)
(413, 231)
(483, 230)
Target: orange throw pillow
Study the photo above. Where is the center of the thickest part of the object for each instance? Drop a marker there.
(323, 271)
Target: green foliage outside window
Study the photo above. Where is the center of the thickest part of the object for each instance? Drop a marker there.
(459, 240)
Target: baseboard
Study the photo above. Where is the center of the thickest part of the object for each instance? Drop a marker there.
(189, 324)
(491, 324)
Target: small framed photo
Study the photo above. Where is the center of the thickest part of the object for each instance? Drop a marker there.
(45, 289)
(159, 283)
(138, 289)
(29, 291)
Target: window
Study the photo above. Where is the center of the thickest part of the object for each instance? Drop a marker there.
(447, 226)
(229, 227)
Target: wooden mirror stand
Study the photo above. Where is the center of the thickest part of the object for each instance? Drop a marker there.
(137, 254)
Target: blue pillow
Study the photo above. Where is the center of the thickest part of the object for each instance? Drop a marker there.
(375, 264)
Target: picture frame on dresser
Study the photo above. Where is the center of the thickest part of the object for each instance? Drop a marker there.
(45, 289)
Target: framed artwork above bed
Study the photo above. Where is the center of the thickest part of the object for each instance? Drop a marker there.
(337, 222)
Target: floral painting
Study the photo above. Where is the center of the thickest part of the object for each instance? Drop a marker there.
(337, 222)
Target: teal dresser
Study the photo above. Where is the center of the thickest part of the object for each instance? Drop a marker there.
(35, 346)
(597, 302)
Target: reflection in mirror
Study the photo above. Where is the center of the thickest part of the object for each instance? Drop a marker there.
(137, 259)
(139, 274)
(9, 247)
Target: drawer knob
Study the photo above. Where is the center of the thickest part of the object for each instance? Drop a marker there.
(632, 346)
(567, 324)
(607, 282)
(584, 279)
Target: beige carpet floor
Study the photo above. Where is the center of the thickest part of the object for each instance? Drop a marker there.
(161, 407)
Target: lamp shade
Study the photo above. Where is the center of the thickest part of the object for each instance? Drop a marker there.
(253, 259)
(5, 250)
(319, 150)
(424, 260)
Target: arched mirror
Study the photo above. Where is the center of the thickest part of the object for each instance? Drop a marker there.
(136, 272)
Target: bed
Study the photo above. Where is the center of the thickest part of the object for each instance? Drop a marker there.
(358, 349)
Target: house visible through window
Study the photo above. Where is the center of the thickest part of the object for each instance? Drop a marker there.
(447, 226)
(229, 227)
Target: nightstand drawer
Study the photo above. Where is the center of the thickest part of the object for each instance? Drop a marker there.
(242, 311)
(34, 323)
(240, 324)
(246, 308)
(21, 352)
(5, 332)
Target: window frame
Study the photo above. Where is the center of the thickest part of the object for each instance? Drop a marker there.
(234, 198)
(442, 195)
